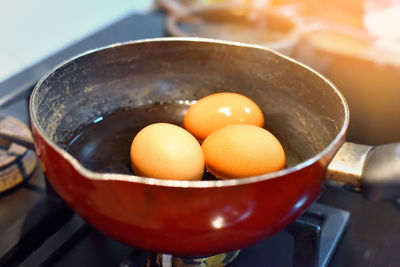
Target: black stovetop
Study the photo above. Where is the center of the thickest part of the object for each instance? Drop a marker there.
(370, 238)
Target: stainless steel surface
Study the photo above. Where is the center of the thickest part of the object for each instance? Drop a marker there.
(375, 171)
(347, 165)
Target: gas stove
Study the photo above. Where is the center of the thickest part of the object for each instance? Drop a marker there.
(38, 229)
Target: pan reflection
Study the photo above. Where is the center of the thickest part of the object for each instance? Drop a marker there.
(232, 215)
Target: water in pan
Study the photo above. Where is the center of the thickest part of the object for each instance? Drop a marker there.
(104, 144)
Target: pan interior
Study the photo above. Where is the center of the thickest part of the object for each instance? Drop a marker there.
(300, 108)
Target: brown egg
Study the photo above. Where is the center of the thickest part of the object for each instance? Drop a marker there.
(219, 110)
(242, 150)
(166, 151)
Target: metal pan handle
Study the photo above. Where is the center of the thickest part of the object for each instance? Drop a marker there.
(374, 171)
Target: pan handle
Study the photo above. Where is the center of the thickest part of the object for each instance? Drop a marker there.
(374, 171)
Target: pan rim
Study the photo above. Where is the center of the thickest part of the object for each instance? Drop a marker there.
(335, 143)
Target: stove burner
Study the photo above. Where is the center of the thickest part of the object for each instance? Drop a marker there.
(166, 260)
(17, 163)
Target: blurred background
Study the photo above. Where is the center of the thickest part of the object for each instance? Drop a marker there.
(354, 43)
(33, 30)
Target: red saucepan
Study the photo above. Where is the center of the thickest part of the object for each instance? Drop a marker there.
(190, 218)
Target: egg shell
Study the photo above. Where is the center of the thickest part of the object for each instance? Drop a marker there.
(166, 151)
(239, 151)
(218, 110)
